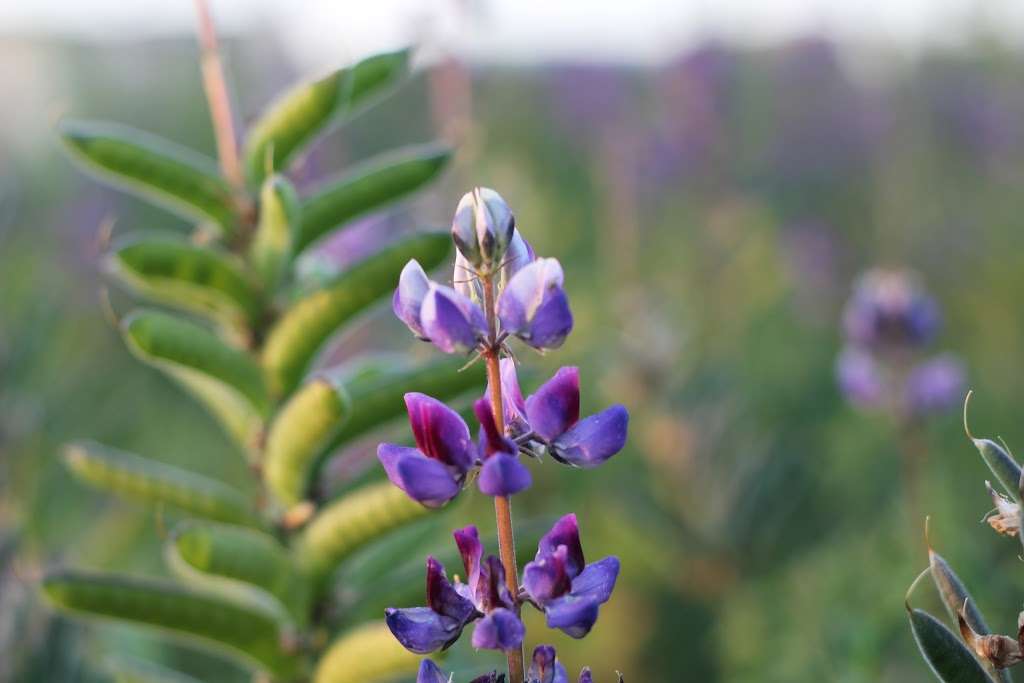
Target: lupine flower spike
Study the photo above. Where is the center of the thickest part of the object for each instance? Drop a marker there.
(500, 290)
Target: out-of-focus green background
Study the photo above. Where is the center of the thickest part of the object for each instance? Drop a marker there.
(711, 214)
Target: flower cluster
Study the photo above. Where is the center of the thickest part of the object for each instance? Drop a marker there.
(502, 290)
(888, 322)
(544, 668)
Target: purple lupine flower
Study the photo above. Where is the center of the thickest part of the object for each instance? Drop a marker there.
(860, 378)
(430, 673)
(427, 629)
(407, 301)
(545, 667)
(534, 307)
(560, 582)
(502, 473)
(484, 597)
(935, 385)
(551, 417)
(483, 227)
(433, 472)
(452, 321)
(890, 309)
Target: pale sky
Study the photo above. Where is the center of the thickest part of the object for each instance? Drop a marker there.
(320, 32)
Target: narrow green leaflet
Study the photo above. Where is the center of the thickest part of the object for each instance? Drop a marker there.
(297, 117)
(351, 522)
(1003, 466)
(147, 481)
(201, 280)
(271, 248)
(243, 555)
(955, 597)
(948, 658)
(294, 341)
(225, 379)
(367, 654)
(225, 625)
(176, 177)
(369, 186)
(300, 432)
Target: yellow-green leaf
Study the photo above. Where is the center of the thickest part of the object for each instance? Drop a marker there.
(271, 248)
(367, 654)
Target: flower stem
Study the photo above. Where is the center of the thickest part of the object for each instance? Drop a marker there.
(502, 504)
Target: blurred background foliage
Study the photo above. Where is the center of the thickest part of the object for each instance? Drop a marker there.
(711, 215)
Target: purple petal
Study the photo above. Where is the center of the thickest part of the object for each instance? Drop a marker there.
(503, 475)
(519, 255)
(547, 578)
(935, 385)
(499, 630)
(421, 629)
(555, 407)
(585, 676)
(493, 677)
(468, 541)
(534, 307)
(451, 320)
(491, 440)
(440, 432)
(859, 378)
(565, 532)
(430, 673)
(442, 597)
(597, 580)
(544, 666)
(408, 298)
(594, 439)
(574, 616)
(424, 480)
(492, 593)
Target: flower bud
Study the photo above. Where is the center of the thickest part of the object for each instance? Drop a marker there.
(482, 228)
(408, 299)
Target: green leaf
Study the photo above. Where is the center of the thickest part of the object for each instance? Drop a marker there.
(299, 433)
(303, 330)
(243, 555)
(368, 654)
(132, 670)
(211, 620)
(955, 596)
(271, 248)
(948, 658)
(351, 522)
(201, 280)
(297, 117)
(175, 177)
(225, 379)
(1003, 466)
(130, 476)
(369, 186)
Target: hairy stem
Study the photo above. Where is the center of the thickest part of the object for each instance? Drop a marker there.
(217, 95)
(502, 504)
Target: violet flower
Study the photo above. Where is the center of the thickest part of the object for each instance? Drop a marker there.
(431, 673)
(502, 474)
(434, 471)
(935, 385)
(860, 378)
(890, 309)
(545, 668)
(533, 306)
(569, 591)
(450, 608)
(551, 417)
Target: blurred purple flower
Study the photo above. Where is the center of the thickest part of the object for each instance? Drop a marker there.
(860, 378)
(588, 98)
(935, 385)
(545, 668)
(560, 582)
(889, 309)
(551, 416)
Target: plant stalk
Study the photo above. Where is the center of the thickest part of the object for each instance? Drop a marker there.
(502, 504)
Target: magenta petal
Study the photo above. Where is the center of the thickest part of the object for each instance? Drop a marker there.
(499, 630)
(594, 439)
(555, 407)
(468, 541)
(424, 480)
(565, 532)
(547, 578)
(503, 475)
(408, 298)
(421, 629)
(440, 432)
(451, 320)
(442, 597)
(491, 440)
